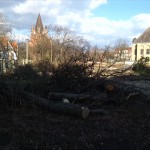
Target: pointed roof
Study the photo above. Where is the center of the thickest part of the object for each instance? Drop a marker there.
(39, 23)
(145, 37)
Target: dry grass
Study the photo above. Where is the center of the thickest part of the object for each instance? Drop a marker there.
(26, 126)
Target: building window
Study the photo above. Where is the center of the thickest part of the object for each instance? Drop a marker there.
(148, 51)
(142, 51)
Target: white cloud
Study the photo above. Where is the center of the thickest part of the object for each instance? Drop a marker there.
(105, 30)
(34, 6)
(20, 35)
(54, 11)
(96, 3)
(1, 10)
(55, 6)
(141, 20)
(70, 19)
(78, 15)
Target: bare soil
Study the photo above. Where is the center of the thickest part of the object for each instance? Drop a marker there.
(25, 126)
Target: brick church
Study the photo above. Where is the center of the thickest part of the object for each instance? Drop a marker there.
(38, 38)
(37, 31)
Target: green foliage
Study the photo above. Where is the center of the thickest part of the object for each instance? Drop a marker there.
(141, 67)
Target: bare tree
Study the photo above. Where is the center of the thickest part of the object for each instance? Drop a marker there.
(67, 46)
(60, 45)
(21, 52)
(5, 27)
(121, 47)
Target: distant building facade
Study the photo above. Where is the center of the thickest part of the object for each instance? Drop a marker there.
(123, 54)
(8, 54)
(141, 46)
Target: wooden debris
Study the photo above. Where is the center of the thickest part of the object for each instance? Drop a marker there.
(110, 87)
(64, 108)
(78, 97)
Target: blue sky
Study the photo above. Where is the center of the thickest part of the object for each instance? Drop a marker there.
(122, 9)
(100, 21)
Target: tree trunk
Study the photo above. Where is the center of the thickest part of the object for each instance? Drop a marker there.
(78, 97)
(66, 108)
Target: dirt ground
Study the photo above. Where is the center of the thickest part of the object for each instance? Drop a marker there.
(27, 127)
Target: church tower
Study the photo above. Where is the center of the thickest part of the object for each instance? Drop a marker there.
(37, 31)
(39, 25)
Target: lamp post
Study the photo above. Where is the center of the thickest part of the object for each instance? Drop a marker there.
(51, 58)
(27, 51)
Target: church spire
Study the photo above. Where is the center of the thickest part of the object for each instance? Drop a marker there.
(39, 24)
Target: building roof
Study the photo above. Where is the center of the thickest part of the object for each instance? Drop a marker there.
(39, 24)
(143, 38)
(6, 44)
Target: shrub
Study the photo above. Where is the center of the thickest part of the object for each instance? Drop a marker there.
(44, 67)
(141, 67)
(25, 72)
(71, 76)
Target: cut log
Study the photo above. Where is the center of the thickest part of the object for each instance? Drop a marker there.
(66, 108)
(78, 97)
(68, 95)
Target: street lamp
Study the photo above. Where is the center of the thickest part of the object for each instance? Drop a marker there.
(51, 52)
(27, 50)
